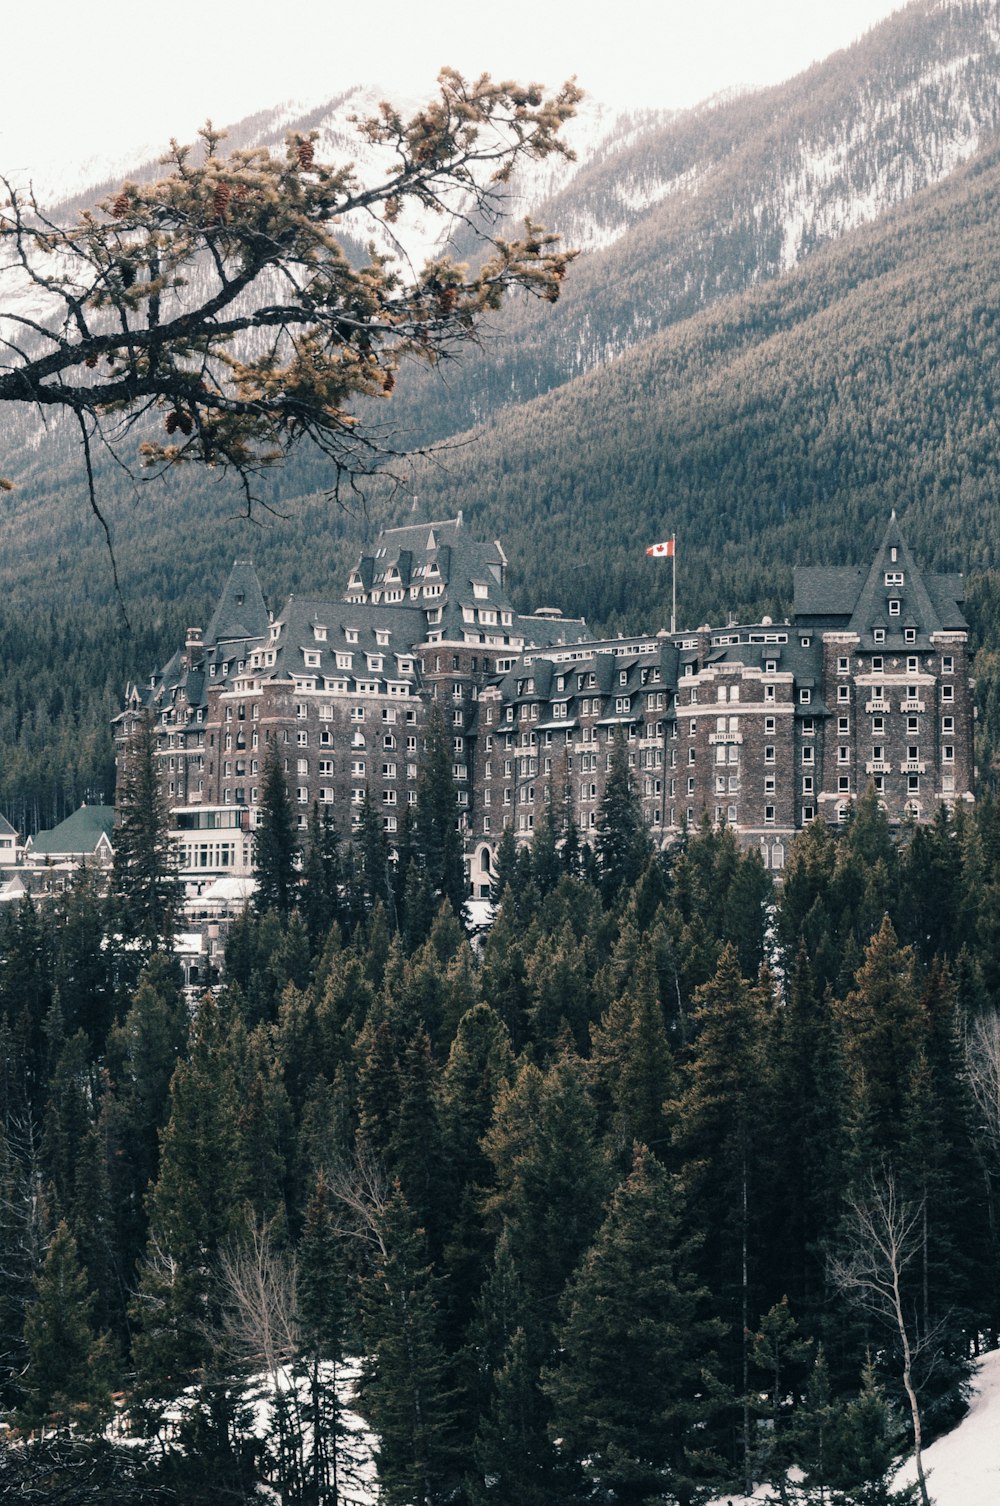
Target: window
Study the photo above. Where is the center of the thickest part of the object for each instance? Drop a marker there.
(877, 667)
(913, 784)
(807, 784)
(807, 755)
(894, 577)
(912, 665)
(878, 635)
(909, 635)
(843, 666)
(948, 665)
(769, 725)
(878, 726)
(948, 753)
(769, 692)
(895, 606)
(843, 725)
(805, 696)
(947, 692)
(769, 753)
(302, 766)
(844, 784)
(911, 725)
(843, 754)
(302, 795)
(808, 813)
(843, 693)
(947, 726)
(769, 815)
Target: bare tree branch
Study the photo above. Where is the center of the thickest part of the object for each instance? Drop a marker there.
(220, 296)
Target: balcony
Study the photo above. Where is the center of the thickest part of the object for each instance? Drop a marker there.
(911, 705)
(913, 766)
(877, 706)
(725, 737)
(878, 766)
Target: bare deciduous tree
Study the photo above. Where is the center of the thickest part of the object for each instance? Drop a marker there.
(882, 1237)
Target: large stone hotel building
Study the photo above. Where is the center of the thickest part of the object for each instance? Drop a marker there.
(765, 726)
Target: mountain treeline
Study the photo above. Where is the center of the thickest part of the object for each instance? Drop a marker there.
(775, 420)
(597, 1210)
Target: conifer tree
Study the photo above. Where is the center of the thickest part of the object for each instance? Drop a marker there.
(322, 1290)
(436, 837)
(275, 846)
(723, 1122)
(632, 1389)
(145, 867)
(623, 843)
(632, 1066)
(321, 877)
(67, 1379)
(404, 1389)
(193, 1208)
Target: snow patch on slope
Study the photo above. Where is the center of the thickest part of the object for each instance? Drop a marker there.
(962, 1467)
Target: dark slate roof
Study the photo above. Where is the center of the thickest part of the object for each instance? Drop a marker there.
(295, 635)
(6, 830)
(872, 606)
(241, 612)
(824, 593)
(78, 834)
(855, 598)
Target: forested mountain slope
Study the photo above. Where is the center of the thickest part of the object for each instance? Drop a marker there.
(776, 424)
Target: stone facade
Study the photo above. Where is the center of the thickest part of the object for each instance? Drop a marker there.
(766, 726)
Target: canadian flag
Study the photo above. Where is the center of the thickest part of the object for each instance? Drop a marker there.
(666, 549)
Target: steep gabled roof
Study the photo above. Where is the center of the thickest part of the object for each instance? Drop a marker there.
(853, 598)
(893, 559)
(241, 612)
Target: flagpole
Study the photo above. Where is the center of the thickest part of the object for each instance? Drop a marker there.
(673, 600)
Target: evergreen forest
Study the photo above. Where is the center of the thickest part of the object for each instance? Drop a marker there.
(608, 1204)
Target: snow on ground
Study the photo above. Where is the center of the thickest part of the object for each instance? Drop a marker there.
(963, 1466)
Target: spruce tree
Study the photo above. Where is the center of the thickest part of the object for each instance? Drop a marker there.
(623, 842)
(275, 846)
(631, 1391)
(66, 1382)
(145, 868)
(436, 838)
(404, 1391)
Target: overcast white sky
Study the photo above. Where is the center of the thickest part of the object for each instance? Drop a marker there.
(109, 76)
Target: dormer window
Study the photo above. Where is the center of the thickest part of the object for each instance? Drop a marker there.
(894, 577)
(878, 635)
(351, 635)
(805, 696)
(909, 635)
(312, 658)
(345, 661)
(382, 637)
(895, 606)
(480, 590)
(319, 633)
